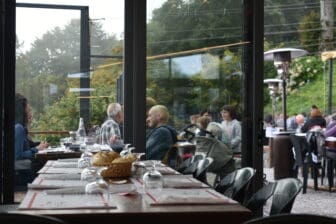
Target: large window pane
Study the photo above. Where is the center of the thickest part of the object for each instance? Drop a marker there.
(194, 51)
(49, 70)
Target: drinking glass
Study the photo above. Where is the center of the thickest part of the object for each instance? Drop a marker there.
(153, 179)
(86, 157)
(89, 174)
(98, 186)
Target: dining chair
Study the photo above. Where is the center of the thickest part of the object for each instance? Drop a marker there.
(305, 148)
(293, 219)
(284, 195)
(201, 170)
(234, 184)
(258, 199)
(20, 218)
(189, 166)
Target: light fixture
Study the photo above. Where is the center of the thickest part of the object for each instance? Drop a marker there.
(282, 58)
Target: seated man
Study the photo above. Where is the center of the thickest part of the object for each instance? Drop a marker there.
(161, 136)
(110, 131)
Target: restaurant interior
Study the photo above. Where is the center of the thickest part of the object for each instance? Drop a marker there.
(71, 59)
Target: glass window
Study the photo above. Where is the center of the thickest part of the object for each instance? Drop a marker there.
(49, 71)
(195, 57)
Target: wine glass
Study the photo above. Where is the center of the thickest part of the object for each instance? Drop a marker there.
(98, 186)
(153, 179)
(89, 174)
(86, 157)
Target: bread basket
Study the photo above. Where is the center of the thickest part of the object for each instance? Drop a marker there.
(117, 170)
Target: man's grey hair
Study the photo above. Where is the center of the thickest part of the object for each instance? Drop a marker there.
(113, 109)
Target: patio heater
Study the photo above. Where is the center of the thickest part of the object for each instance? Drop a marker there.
(282, 58)
(273, 87)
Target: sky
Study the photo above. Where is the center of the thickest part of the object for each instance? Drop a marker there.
(33, 23)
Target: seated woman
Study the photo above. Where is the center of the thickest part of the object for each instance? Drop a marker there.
(331, 132)
(23, 151)
(315, 120)
(202, 123)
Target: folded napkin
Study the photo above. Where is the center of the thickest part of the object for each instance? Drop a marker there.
(70, 190)
(122, 189)
(68, 160)
(54, 184)
(69, 176)
(65, 165)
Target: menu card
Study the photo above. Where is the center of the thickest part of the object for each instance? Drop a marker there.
(41, 200)
(169, 196)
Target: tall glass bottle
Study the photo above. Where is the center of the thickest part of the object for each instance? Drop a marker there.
(81, 130)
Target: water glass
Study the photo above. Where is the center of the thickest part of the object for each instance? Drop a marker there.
(89, 174)
(152, 180)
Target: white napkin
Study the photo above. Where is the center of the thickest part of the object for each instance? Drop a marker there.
(68, 160)
(70, 190)
(70, 176)
(65, 165)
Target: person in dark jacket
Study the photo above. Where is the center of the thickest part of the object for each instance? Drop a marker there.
(315, 120)
(161, 136)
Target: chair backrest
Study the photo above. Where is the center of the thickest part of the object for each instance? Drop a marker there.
(242, 179)
(284, 195)
(234, 184)
(19, 218)
(226, 182)
(189, 166)
(293, 219)
(202, 166)
(258, 199)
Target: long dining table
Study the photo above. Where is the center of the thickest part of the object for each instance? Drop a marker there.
(59, 192)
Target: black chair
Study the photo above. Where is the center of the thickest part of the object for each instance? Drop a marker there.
(19, 218)
(201, 170)
(305, 148)
(258, 199)
(234, 184)
(293, 219)
(284, 195)
(189, 166)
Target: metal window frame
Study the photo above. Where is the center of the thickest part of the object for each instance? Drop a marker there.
(85, 50)
(135, 83)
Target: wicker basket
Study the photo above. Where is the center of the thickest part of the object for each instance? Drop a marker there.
(115, 170)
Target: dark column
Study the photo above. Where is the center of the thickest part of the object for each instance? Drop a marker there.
(85, 65)
(7, 97)
(135, 73)
(330, 86)
(252, 125)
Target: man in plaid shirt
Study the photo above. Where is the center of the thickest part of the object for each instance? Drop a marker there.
(110, 131)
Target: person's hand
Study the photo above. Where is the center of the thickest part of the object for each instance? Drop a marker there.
(43, 145)
(114, 139)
